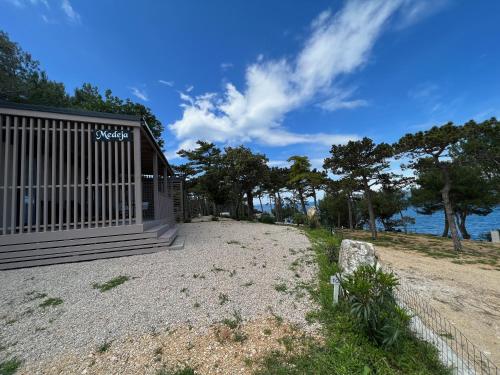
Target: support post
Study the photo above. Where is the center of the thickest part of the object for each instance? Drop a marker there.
(137, 176)
(156, 198)
(335, 281)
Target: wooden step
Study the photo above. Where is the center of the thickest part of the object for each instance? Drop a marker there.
(169, 236)
(80, 257)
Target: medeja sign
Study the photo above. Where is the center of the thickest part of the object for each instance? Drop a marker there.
(111, 135)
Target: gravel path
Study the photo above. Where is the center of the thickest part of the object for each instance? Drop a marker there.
(256, 269)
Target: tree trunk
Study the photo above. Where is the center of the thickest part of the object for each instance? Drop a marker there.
(371, 212)
(250, 203)
(448, 209)
(461, 225)
(349, 208)
(314, 197)
(446, 226)
(302, 201)
(261, 206)
(279, 210)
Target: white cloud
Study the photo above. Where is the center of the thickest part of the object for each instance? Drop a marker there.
(166, 83)
(338, 44)
(189, 88)
(341, 99)
(139, 93)
(413, 11)
(72, 15)
(226, 65)
(22, 3)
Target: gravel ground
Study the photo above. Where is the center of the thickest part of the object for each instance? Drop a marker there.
(257, 270)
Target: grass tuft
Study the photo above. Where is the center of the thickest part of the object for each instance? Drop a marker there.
(10, 366)
(104, 347)
(110, 284)
(51, 302)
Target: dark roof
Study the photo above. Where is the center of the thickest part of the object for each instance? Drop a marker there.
(68, 111)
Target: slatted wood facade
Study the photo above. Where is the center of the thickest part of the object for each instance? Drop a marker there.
(58, 183)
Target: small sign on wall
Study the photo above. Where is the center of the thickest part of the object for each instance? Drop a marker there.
(111, 135)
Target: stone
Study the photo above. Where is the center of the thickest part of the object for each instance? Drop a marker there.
(312, 212)
(353, 254)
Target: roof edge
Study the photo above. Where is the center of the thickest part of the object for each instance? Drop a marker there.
(69, 111)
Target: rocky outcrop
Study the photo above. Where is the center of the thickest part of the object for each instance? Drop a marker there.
(353, 254)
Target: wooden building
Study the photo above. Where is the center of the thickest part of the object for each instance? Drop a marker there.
(78, 185)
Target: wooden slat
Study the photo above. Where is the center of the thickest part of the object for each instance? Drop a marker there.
(38, 173)
(122, 164)
(110, 185)
(61, 174)
(79, 241)
(98, 206)
(68, 235)
(3, 167)
(75, 179)
(137, 250)
(129, 187)
(30, 176)
(14, 200)
(137, 176)
(68, 175)
(22, 172)
(82, 175)
(117, 184)
(65, 250)
(103, 182)
(53, 180)
(90, 158)
(46, 185)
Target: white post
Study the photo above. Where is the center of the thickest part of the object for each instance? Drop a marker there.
(335, 281)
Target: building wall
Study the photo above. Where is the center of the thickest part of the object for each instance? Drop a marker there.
(54, 176)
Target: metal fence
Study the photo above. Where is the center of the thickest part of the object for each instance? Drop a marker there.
(455, 350)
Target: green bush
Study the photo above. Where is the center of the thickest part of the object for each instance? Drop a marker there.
(370, 294)
(299, 218)
(267, 219)
(313, 222)
(332, 249)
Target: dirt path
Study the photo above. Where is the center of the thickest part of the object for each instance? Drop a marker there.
(467, 294)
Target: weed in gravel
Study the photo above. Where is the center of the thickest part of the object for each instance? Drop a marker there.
(223, 298)
(240, 336)
(185, 291)
(10, 321)
(281, 287)
(113, 283)
(10, 366)
(182, 371)
(217, 269)
(248, 362)
(104, 347)
(235, 321)
(158, 350)
(247, 284)
(33, 295)
(279, 319)
(51, 302)
(233, 242)
(196, 305)
(267, 331)
(232, 273)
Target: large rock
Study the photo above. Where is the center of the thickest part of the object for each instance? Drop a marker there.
(353, 254)
(312, 212)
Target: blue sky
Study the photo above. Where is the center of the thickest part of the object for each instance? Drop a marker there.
(283, 77)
